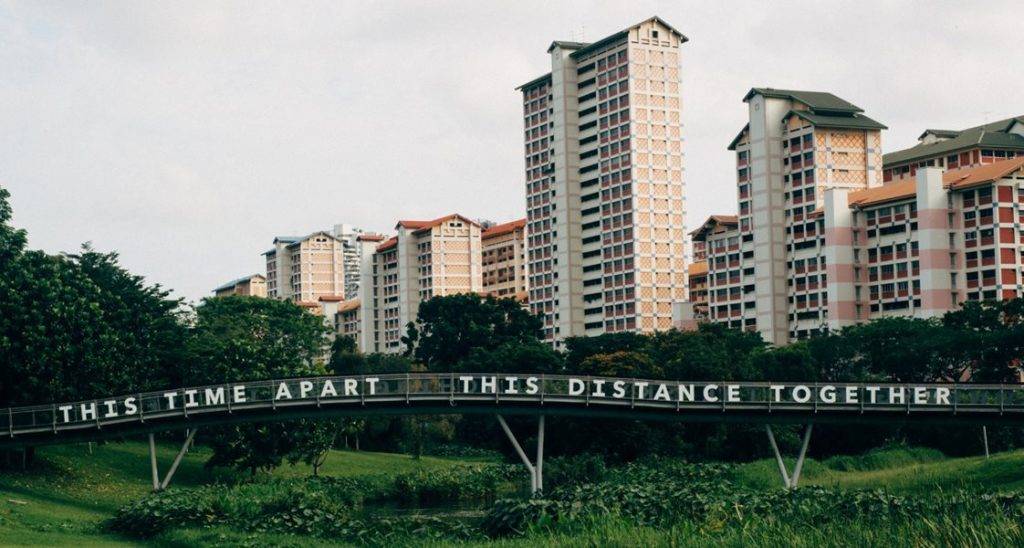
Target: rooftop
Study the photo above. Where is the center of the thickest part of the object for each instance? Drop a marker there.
(423, 225)
(233, 283)
(697, 269)
(956, 179)
(818, 101)
(349, 305)
(504, 228)
(1002, 134)
(715, 220)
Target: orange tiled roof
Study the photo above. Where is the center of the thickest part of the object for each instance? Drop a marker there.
(370, 238)
(965, 178)
(348, 305)
(882, 194)
(720, 219)
(697, 269)
(504, 228)
(422, 225)
(331, 298)
(390, 243)
(955, 179)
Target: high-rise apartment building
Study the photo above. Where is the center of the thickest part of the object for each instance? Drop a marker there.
(604, 184)
(921, 247)
(303, 269)
(425, 259)
(503, 259)
(707, 237)
(854, 247)
(796, 145)
(352, 255)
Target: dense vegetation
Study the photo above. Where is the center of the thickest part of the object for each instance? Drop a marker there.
(891, 496)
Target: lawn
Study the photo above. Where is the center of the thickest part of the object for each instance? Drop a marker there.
(65, 499)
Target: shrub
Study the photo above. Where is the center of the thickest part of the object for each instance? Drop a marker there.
(155, 513)
(453, 484)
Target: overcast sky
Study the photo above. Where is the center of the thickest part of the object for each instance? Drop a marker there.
(186, 135)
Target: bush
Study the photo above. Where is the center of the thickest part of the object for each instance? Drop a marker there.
(155, 513)
(575, 470)
(454, 484)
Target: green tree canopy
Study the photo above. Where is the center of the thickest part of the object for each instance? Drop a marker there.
(250, 338)
(449, 328)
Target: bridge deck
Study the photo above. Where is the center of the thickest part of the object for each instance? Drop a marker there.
(447, 393)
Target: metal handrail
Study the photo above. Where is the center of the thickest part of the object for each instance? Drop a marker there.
(451, 388)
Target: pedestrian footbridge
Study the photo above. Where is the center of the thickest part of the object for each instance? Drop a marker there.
(512, 394)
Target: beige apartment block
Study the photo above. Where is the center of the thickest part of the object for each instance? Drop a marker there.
(718, 235)
(306, 268)
(503, 259)
(605, 203)
(255, 286)
(425, 259)
(857, 244)
(923, 246)
(796, 145)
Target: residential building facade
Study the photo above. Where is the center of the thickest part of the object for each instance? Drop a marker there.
(255, 286)
(425, 259)
(605, 225)
(921, 247)
(717, 234)
(503, 259)
(957, 149)
(306, 268)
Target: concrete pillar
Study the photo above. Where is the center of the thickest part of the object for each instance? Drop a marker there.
(933, 243)
(842, 302)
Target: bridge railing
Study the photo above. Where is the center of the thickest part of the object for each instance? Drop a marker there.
(455, 388)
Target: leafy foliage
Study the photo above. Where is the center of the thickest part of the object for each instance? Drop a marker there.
(249, 338)
(448, 329)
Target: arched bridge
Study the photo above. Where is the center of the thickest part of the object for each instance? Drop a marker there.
(511, 394)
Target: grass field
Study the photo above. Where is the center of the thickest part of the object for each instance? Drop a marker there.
(65, 500)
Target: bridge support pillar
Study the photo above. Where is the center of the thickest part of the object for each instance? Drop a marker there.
(984, 438)
(536, 470)
(161, 485)
(790, 482)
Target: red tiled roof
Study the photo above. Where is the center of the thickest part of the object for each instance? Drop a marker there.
(882, 194)
(331, 299)
(955, 179)
(422, 225)
(504, 228)
(390, 243)
(965, 178)
(370, 238)
(348, 305)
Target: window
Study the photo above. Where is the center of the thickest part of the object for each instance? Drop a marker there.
(654, 34)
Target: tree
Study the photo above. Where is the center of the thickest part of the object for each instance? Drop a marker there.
(984, 341)
(449, 328)
(79, 326)
(898, 349)
(249, 338)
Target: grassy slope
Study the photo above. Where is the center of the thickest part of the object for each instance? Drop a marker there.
(66, 500)
(69, 498)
